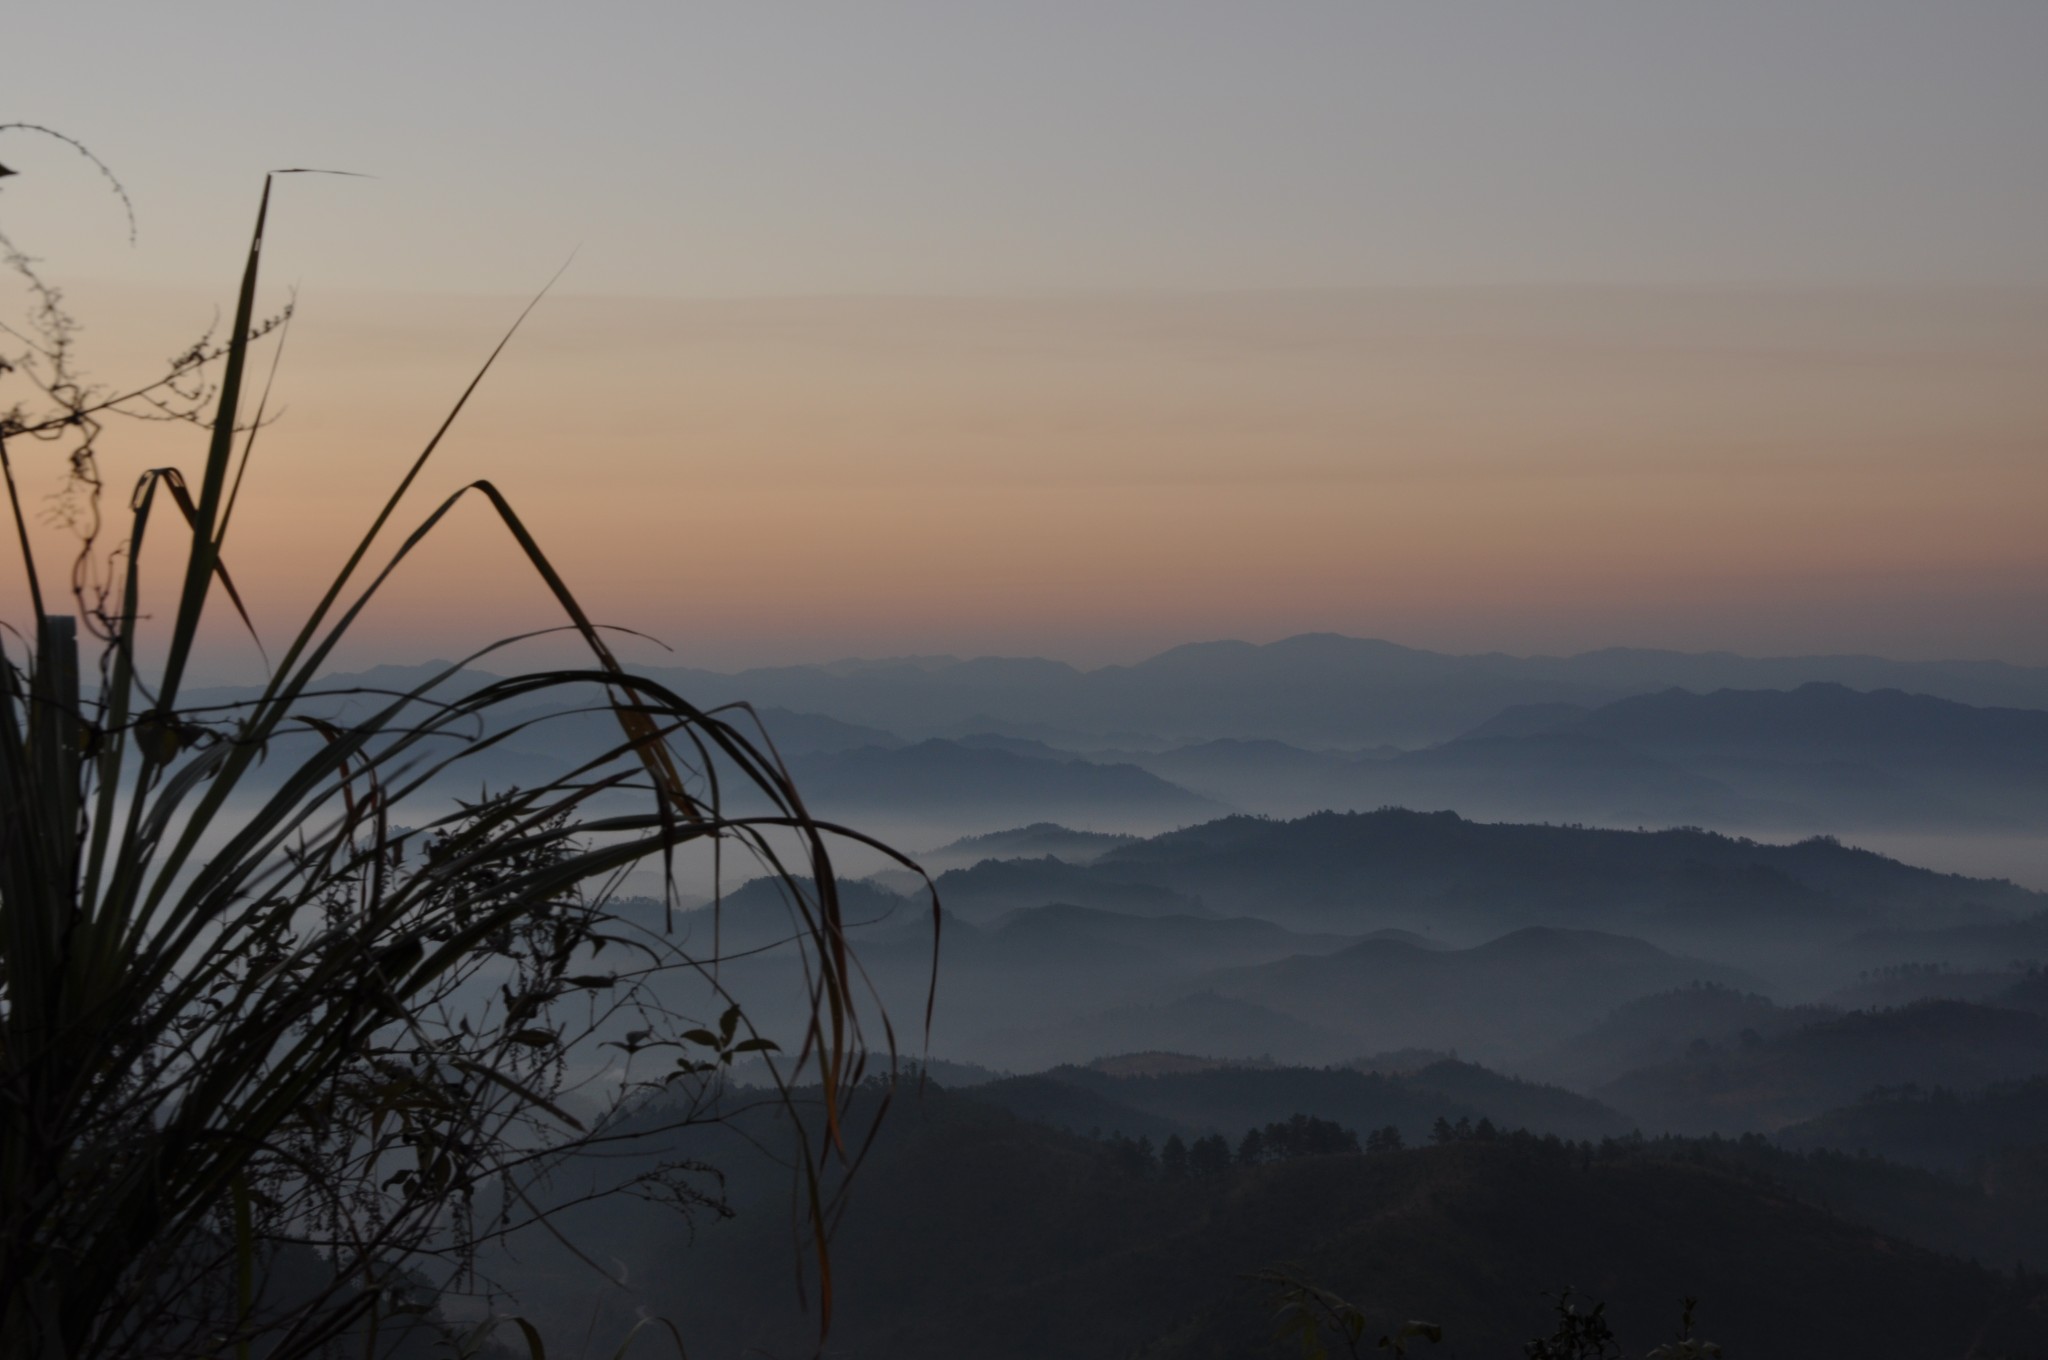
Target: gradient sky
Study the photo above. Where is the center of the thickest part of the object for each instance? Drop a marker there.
(1084, 329)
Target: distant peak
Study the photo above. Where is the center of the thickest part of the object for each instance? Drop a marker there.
(851, 666)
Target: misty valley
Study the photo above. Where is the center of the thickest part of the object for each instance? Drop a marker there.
(1440, 982)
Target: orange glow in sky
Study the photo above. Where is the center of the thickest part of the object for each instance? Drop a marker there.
(1085, 330)
(1098, 477)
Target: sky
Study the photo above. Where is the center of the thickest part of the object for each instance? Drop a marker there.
(1087, 329)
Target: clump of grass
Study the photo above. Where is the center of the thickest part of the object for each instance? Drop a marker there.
(250, 1024)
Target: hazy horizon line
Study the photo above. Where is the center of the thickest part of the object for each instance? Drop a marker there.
(1084, 667)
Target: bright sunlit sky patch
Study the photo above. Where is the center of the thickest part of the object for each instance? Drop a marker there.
(1084, 329)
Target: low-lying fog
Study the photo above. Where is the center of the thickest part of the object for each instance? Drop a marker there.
(1409, 895)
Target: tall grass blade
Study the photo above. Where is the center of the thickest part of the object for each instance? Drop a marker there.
(244, 1015)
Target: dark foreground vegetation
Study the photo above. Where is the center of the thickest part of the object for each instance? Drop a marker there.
(273, 1027)
(980, 1232)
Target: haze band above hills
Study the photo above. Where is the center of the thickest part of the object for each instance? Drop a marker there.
(925, 750)
(1335, 935)
(1318, 689)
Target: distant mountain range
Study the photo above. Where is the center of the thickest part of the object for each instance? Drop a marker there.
(1065, 984)
(1990, 944)
(1202, 1022)
(927, 748)
(1035, 841)
(1336, 935)
(1390, 994)
(1317, 690)
(944, 780)
(1822, 757)
(1442, 874)
(1767, 1083)
(1666, 1027)
(1876, 758)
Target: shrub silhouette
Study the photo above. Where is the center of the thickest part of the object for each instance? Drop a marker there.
(252, 1028)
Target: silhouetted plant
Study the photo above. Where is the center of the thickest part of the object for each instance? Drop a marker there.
(285, 1027)
(1581, 1333)
(1687, 1346)
(1308, 1313)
